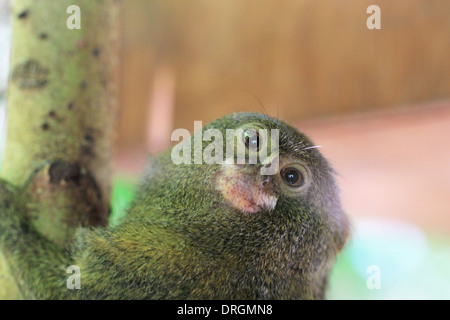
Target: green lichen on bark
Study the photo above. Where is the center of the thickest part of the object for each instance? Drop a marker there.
(61, 114)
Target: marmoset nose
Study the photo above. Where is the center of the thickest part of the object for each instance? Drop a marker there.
(266, 181)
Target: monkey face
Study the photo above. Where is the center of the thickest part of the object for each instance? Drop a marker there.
(248, 190)
(253, 183)
(298, 199)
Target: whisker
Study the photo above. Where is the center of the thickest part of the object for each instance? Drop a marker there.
(312, 147)
(261, 105)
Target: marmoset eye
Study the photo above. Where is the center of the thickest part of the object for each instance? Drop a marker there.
(252, 140)
(292, 177)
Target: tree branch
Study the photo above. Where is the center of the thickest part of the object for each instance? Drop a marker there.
(61, 116)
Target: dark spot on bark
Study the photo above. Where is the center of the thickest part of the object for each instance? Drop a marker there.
(96, 52)
(6, 204)
(23, 14)
(63, 171)
(88, 137)
(83, 84)
(81, 195)
(87, 151)
(52, 114)
(45, 126)
(70, 106)
(30, 75)
(43, 36)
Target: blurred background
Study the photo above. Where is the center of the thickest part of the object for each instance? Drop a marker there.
(378, 101)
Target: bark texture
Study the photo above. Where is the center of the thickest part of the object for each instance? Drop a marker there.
(61, 116)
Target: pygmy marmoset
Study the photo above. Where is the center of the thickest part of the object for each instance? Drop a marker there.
(200, 231)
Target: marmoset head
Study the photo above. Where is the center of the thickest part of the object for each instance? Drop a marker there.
(287, 169)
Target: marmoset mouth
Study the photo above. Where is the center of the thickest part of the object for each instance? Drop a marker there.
(249, 192)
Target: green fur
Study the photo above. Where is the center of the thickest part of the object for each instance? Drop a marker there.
(182, 240)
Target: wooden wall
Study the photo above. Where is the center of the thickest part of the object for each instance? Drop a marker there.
(199, 59)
